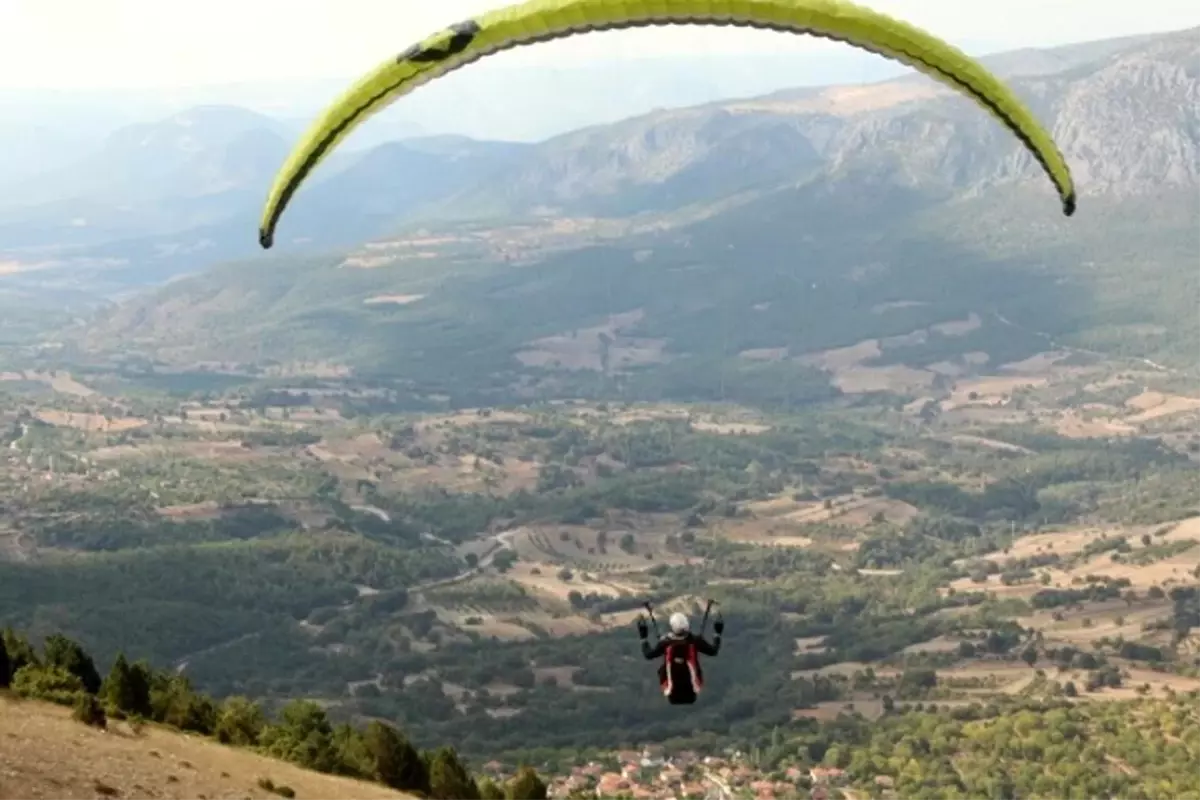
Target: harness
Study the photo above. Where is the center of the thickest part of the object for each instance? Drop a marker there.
(693, 664)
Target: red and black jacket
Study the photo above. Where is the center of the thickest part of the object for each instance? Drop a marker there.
(681, 658)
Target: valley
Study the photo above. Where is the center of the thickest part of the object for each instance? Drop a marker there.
(829, 357)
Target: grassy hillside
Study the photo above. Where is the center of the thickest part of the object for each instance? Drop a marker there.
(127, 730)
(711, 311)
(48, 754)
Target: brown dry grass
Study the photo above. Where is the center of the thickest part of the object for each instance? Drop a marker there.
(869, 707)
(460, 473)
(1074, 425)
(545, 547)
(847, 669)
(46, 754)
(1104, 616)
(225, 451)
(61, 382)
(502, 627)
(1011, 678)
(208, 509)
(90, 423)
(1070, 542)
(542, 578)
(810, 644)
(1154, 405)
(781, 516)
(993, 444)
(1064, 543)
(730, 428)
(941, 644)
(468, 417)
(989, 390)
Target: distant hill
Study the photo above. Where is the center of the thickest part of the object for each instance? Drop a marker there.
(772, 227)
(163, 199)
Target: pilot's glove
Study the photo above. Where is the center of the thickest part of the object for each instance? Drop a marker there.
(643, 631)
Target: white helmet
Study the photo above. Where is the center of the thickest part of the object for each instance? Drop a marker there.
(679, 622)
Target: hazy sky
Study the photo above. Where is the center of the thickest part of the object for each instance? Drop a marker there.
(144, 43)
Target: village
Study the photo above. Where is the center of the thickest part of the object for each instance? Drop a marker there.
(652, 774)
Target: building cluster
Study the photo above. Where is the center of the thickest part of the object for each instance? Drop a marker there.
(653, 775)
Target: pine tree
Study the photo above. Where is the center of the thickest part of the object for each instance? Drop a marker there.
(88, 710)
(20, 652)
(126, 688)
(239, 722)
(488, 790)
(396, 762)
(63, 652)
(448, 779)
(5, 671)
(526, 785)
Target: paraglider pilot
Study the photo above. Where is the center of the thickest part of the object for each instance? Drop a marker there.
(680, 675)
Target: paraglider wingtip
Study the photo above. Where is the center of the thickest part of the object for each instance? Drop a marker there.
(265, 238)
(1069, 204)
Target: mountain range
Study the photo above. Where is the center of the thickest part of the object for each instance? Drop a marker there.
(818, 184)
(156, 200)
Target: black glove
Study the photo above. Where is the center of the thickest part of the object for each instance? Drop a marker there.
(719, 626)
(643, 631)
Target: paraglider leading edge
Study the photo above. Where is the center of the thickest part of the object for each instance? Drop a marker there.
(537, 21)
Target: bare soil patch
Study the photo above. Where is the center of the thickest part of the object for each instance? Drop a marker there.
(1154, 405)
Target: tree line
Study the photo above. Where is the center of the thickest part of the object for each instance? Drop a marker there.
(301, 733)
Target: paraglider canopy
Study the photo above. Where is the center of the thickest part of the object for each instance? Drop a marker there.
(543, 20)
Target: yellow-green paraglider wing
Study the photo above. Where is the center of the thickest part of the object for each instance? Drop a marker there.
(543, 20)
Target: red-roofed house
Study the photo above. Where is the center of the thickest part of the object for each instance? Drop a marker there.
(826, 774)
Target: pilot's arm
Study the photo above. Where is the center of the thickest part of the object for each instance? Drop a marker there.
(649, 652)
(714, 648)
